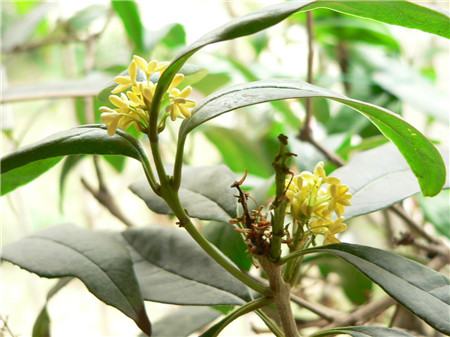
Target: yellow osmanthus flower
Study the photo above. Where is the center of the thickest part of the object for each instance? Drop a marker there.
(317, 202)
(133, 95)
(180, 104)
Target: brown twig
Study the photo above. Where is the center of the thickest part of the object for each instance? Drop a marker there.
(6, 327)
(412, 225)
(320, 310)
(105, 199)
(305, 132)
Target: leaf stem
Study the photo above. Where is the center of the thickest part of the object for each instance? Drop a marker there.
(173, 201)
(245, 309)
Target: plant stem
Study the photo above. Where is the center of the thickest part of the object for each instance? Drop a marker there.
(173, 201)
(280, 203)
(305, 132)
(281, 293)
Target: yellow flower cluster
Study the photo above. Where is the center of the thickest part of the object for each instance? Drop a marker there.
(132, 97)
(318, 202)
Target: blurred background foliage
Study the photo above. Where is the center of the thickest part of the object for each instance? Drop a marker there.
(56, 57)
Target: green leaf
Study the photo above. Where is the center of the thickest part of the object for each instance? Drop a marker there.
(402, 13)
(24, 174)
(98, 259)
(356, 286)
(364, 331)
(381, 182)
(437, 211)
(128, 12)
(239, 152)
(18, 167)
(420, 289)
(230, 242)
(41, 327)
(201, 198)
(184, 322)
(422, 156)
(172, 268)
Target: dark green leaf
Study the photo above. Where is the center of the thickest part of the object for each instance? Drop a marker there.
(230, 242)
(128, 12)
(201, 198)
(364, 331)
(420, 289)
(25, 174)
(184, 322)
(437, 211)
(98, 259)
(172, 268)
(239, 152)
(384, 180)
(88, 139)
(422, 156)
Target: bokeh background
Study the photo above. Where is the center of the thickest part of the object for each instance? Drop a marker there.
(54, 53)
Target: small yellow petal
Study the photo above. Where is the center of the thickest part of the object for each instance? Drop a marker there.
(140, 62)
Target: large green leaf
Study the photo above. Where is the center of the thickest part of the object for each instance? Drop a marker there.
(22, 166)
(199, 196)
(420, 289)
(403, 13)
(380, 183)
(363, 331)
(185, 321)
(172, 268)
(230, 242)
(25, 174)
(422, 156)
(98, 259)
(128, 12)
